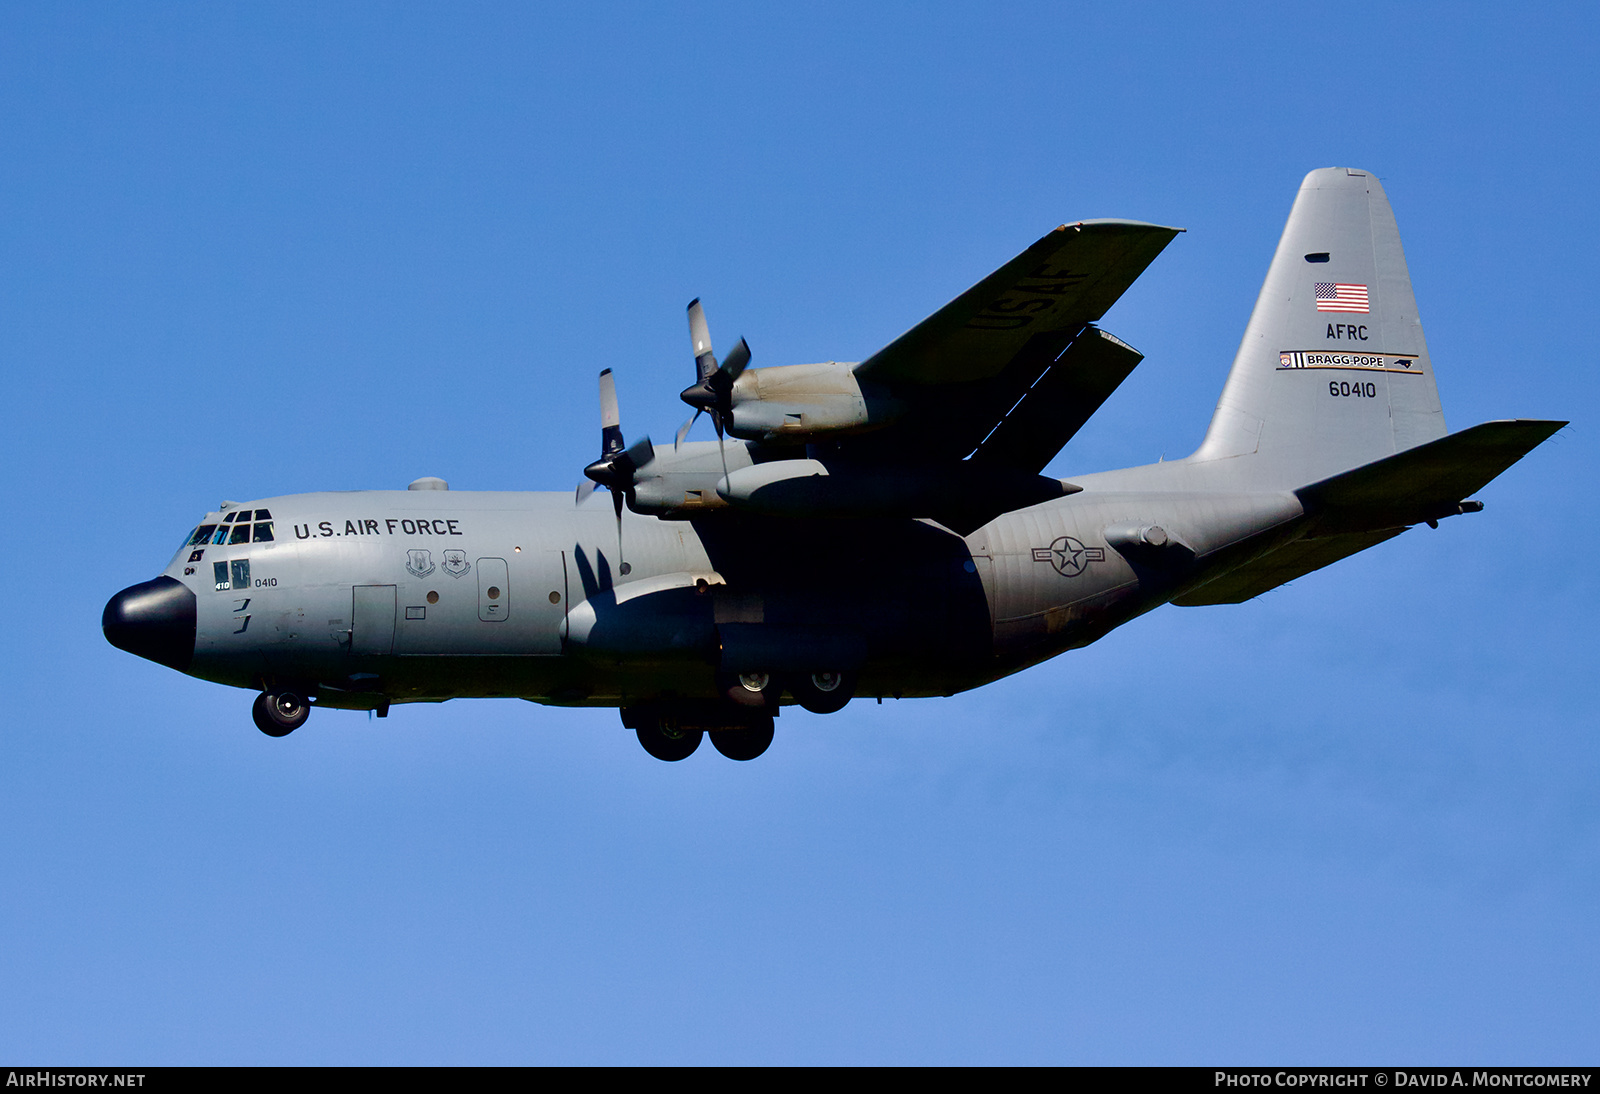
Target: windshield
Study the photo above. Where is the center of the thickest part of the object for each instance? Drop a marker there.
(244, 526)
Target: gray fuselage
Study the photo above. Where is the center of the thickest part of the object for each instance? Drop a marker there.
(374, 597)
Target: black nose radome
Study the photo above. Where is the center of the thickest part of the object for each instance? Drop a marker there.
(153, 619)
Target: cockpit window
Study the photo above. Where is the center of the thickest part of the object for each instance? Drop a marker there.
(235, 574)
(235, 528)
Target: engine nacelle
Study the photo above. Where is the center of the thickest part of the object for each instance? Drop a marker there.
(806, 402)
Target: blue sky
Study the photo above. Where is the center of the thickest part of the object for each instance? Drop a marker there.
(262, 249)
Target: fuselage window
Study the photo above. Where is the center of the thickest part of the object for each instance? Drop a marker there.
(241, 534)
(222, 534)
(241, 573)
(231, 517)
(262, 514)
(264, 532)
(201, 534)
(219, 571)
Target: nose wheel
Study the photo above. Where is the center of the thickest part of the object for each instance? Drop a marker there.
(280, 713)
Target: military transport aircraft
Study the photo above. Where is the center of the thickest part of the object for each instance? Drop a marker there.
(871, 529)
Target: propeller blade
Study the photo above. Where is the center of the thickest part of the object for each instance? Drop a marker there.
(683, 430)
(738, 357)
(639, 453)
(610, 417)
(617, 465)
(705, 361)
(616, 506)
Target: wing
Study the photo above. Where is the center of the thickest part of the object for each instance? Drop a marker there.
(1016, 351)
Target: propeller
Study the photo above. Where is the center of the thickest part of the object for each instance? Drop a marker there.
(713, 388)
(619, 464)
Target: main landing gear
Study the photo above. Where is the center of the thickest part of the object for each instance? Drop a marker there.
(823, 692)
(740, 720)
(666, 738)
(280, 713)
(745, 742)
(673, 732)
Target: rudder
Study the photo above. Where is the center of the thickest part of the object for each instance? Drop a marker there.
(1333, 371)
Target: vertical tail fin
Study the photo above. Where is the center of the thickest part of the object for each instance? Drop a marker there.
(1333, 372)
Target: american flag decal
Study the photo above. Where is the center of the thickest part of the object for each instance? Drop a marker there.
(1331, 297)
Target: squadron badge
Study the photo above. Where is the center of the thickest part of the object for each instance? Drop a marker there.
(456, 564)
(419, 562)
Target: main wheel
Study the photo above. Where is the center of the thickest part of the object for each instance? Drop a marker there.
(823, 692)
(748, 689)
(665, 739)
(280, 713)
(743, 742)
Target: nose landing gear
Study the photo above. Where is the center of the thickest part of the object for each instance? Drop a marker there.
(280, 713)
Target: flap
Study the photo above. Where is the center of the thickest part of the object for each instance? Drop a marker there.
(1059, 404)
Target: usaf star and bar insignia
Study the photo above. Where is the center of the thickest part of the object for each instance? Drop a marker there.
(1069, 556)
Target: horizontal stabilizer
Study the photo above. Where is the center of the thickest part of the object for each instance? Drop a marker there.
(1281, 566)
(1422, 483)
(1058, 405)
(1362, 508)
